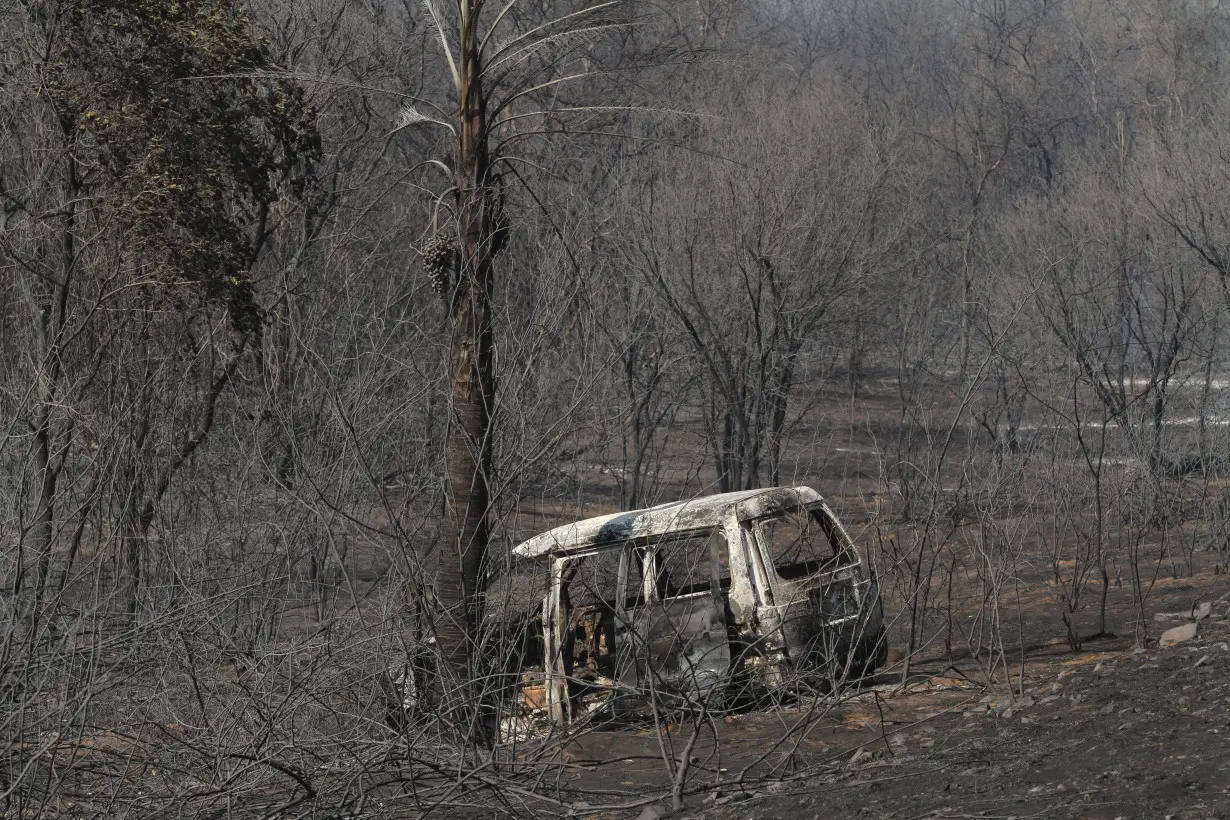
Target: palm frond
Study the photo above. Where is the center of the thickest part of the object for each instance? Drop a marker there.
(448, 51)
(409, 115)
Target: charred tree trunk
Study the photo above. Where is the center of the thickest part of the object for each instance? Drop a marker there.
(463, 559)
(51, 327)
(135, 521)
(779, 401)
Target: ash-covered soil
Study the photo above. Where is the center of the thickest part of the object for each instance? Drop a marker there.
(1111, 731)
(1111, 734)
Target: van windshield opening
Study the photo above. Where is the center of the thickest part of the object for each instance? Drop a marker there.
(803, 543)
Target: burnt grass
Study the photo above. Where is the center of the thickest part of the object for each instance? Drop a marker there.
(1118, 728)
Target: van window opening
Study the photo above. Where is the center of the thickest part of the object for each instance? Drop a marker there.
(804, 543)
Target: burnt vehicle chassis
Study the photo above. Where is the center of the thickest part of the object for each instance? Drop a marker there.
(707, 601)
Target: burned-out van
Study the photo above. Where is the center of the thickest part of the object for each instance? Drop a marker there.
(698, 601)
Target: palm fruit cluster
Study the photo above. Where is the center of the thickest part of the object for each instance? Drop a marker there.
(440, 259)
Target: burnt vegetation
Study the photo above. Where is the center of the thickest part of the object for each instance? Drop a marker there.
(313, 311)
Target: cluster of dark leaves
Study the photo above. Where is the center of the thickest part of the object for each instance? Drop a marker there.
(176, 108)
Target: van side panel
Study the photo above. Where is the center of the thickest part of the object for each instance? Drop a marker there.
(682, 646)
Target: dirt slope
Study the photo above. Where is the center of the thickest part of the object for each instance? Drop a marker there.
(1106, 734)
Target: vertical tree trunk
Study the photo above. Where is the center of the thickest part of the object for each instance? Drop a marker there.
(135, 522)
(43, 529)
(51, 329)
(462, 566)
(779, 402)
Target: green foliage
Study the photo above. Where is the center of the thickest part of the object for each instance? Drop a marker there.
(176, 105)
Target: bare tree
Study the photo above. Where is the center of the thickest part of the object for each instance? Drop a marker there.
(790, 242)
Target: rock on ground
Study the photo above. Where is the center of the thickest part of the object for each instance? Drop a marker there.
(1177, 635)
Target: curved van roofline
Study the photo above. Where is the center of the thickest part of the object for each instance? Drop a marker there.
(701, 513)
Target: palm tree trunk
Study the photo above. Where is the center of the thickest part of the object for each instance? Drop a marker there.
(462, 568)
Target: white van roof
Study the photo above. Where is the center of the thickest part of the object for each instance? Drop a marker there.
(701, 513)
